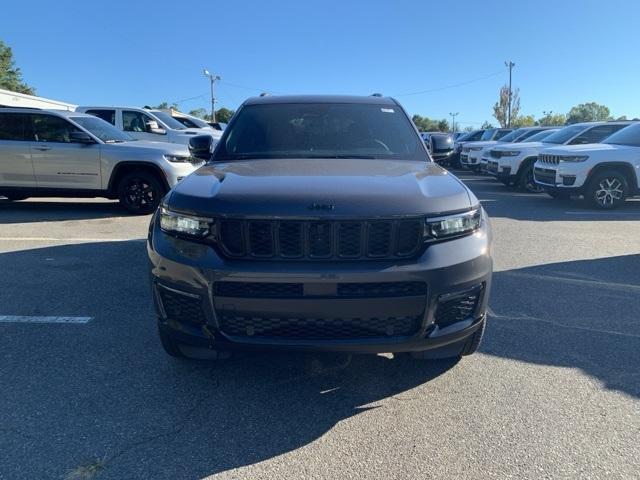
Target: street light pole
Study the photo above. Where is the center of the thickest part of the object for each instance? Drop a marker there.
(453, 121)
(212, 79)
(509, 65)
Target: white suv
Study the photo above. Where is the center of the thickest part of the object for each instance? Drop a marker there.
(54, 153)
(490, 134)
(605, 173)
(513, 163)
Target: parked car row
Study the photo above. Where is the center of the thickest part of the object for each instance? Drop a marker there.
(597, 160)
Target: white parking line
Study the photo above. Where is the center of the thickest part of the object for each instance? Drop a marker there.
(43, 319)
(607, 213)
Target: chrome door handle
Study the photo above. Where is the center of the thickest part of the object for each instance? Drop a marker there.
(43, 148)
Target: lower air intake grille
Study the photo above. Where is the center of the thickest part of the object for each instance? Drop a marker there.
(319, 328)
(457, 307)
(181, 307)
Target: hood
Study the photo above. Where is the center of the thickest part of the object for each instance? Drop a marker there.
(290, 187)
(160, 147)
(201, 131)
(519, 146)
(588, 147)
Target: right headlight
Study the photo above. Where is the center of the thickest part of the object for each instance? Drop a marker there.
(455, 225)
(574, 158)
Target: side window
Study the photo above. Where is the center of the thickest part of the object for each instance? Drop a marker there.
(106, 115)
(596, 134)
(15, 126)
(135, 121)
(48, 128)
(500, 134)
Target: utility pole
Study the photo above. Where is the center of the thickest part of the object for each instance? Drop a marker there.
(212, 79)
(453, 121)
(509, 65)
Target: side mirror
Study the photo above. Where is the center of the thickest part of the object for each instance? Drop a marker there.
(200, 147)
(152, 127)
(81, 137)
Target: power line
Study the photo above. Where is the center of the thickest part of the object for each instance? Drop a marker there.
(494, 74)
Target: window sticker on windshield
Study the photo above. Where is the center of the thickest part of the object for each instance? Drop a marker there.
(387, 110)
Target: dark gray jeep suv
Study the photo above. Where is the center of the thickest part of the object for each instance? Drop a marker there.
(320, 222)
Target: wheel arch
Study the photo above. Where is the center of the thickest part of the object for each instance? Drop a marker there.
(123, 168)
(530, 160)
(623, 167)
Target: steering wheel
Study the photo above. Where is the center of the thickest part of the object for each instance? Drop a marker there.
(374, 142)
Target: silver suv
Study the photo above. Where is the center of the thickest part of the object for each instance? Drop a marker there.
(47, 153)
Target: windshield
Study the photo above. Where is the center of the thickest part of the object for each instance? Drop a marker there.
(168, 120)
(192, 122)
(321, 130)
(511, 136)
(103, 130)
(563, 135)
(627, 136)
(488, 134)
(540, 135)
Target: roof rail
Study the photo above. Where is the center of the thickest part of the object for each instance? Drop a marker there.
(376, 94)
(24, 108)
(265, 94)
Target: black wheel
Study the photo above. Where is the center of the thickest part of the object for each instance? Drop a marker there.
(607, 190)
(169, 345)
(466, 347)
(527, 182)
(140, 192)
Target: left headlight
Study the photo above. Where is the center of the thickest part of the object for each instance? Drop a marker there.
(453, 225)
(186, 225)
(510, 153)
(177, 158)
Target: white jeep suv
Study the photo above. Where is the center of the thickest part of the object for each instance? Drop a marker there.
(54, 153)
(513, 163)
(605, 173)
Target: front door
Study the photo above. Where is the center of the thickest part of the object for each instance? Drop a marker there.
(16, 167)
(59, 163)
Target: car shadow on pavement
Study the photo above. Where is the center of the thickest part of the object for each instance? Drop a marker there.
(104, 395)
(579, 314)
(31, 211)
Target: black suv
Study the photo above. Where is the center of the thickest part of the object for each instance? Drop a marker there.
(320, 222)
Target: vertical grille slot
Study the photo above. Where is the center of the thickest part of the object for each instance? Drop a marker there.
(409, 237)
(261, 239)
(291, 239)
(320, 239)
(232, 238)
(379, 239)
(349, 239)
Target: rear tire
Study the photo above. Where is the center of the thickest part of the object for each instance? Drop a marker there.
(140, 192)
(607, 190)
(464, 348)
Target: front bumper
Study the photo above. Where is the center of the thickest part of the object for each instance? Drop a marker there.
(176, 171)
(452, 271)
(564, 176)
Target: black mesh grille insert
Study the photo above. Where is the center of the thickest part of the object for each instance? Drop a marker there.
(181, 307)
(381, 289)
(320, 240)
(319, 328)
(457, 308)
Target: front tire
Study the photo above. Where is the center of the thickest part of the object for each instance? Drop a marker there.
(140, 192)
(607, 190)
(527, 181)
(169, 345)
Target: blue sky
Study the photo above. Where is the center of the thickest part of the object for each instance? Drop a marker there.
(135, 53)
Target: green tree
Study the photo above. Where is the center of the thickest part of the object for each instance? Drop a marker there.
(165, 106)
(426, 124)
(199, 112)
(486, 125)
(588, 112)
(223, 115)
(10, 75)
(523, 121)
(550, 119)
(501, 107)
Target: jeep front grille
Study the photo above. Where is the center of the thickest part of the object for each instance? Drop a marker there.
(321, 240)
(550, 159)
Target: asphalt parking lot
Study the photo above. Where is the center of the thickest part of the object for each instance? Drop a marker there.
(554, 392)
